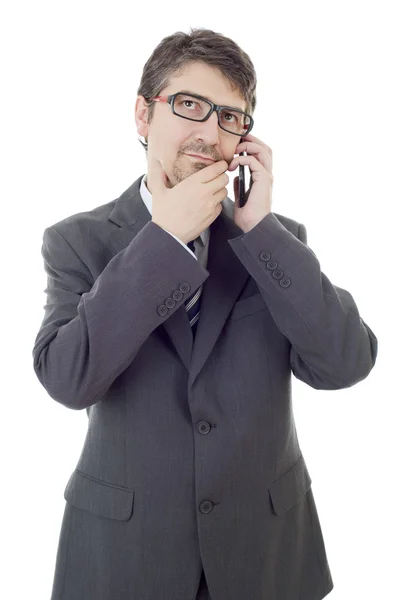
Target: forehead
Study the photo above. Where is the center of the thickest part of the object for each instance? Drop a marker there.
(208, 82)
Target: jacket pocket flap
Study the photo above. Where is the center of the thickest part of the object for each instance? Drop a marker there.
(247, 306)
(99, 497)
(286, 491)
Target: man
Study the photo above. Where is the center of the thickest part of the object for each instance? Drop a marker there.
(191, 483)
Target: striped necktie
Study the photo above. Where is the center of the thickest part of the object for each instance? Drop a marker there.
(192, 304)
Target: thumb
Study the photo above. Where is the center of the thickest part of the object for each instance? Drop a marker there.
(160, 178)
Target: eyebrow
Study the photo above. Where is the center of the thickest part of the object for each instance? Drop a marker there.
(196, 94)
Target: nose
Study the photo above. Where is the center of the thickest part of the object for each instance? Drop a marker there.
(209, 130)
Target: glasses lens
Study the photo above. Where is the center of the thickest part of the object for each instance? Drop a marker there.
(196, 109)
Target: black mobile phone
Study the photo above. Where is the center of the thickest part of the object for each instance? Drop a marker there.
(243, 195)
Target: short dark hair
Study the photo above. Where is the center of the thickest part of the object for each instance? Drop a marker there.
(176, 51)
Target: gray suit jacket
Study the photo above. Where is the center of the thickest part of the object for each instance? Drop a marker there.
(191, 458)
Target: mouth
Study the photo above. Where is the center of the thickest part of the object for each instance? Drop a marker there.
(203, 158)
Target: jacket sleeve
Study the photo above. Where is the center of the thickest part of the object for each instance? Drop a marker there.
(92, 330)
(181, 243)
(331, 346)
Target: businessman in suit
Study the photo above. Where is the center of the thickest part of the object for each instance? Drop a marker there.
(176, 318)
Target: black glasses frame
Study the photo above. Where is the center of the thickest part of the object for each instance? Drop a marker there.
(171, 100)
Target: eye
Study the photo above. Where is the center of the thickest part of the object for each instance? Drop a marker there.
(190, 101)
(230, 115)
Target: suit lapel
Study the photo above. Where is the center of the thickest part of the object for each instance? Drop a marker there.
(220, 290)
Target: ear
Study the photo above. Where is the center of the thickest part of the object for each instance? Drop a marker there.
(141, 116)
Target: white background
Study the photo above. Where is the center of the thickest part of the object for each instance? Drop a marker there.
(328, 106)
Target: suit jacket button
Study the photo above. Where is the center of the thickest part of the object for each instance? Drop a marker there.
(177, 295)
(265, 256)
(184, 287)
(277, 274)
(271, 265)
(203, 427)
(162, 310)
(170, 302)
(285, 282)
(206, 506)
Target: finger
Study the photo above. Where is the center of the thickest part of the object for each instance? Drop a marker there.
(249, 160)
(253, 138)
(259, 156)
(254, 150)
(248, 147)
(211, 171)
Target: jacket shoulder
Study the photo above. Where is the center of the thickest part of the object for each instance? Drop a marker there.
(84, 219)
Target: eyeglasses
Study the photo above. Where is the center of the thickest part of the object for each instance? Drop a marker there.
(229, 119)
